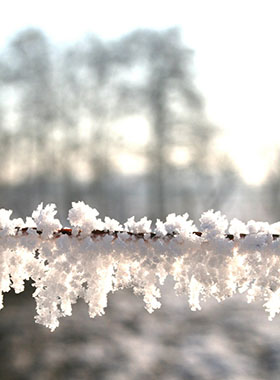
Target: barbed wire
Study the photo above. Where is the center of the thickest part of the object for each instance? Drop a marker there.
(138, 235)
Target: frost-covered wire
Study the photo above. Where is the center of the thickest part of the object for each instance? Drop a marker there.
(95, 257)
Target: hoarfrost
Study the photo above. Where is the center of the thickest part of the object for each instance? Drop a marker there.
(100, 257)
(83, 218)
(45, 221)
(143, 226)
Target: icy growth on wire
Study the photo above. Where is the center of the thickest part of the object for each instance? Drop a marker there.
(44, 220)
(97, 257)
(83, 218)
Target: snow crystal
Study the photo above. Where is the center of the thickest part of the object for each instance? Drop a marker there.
(175, 224)
(45, 221)
(8, 226)
(112, 225)
(237, 227)
(88, 264)
(143, 226)
(213, 224)
(83, 218)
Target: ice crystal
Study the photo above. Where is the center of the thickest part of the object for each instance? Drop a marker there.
(100, 257)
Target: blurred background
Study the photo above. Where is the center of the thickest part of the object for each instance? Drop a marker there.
(141, 109)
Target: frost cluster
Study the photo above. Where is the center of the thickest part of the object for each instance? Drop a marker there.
(103, 256)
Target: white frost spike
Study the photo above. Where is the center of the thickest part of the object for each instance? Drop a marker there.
(83, 217)
(255, 227)
(5, 218)
(143, 226)
(45, 221)
(112, 225)
(273, 304)
(237, 227)
(275, 228)
(175, 223)
(213, 224)
(6, 224)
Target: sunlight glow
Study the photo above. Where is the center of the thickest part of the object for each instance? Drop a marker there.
(132, 130)
(179, 156)
(129, 164)
(254, 162)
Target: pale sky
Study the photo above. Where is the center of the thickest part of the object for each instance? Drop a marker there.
(237, 57)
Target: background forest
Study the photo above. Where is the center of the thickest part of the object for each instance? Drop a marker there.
(118, 124)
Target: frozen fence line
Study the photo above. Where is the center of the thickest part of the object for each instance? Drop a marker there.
(95, 257)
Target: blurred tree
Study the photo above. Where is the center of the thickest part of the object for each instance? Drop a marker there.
(270, 193)
(42, 135)
(30, 74)
(88, 70)
(66, 103)
(166, 95)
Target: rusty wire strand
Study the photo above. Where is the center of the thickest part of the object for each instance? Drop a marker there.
(140, 235)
